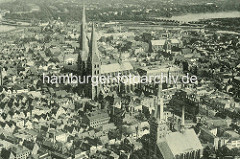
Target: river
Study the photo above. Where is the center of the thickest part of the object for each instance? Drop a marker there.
(183, 18)
(198, 16)
(5, 28)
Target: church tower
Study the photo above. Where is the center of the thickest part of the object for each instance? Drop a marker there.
(84, 50)
(168, 47)
(158, 126)
(94, 66)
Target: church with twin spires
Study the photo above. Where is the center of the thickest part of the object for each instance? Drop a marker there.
(89, 64)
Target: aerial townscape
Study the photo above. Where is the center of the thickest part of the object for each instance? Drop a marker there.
(119, 79)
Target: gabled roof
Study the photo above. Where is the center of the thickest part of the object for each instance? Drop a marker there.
(55, 50)
(30, 145)
(16, 87)
(71, 56)
(186, 51)
(179, 143)
(175, 41)
(158, 42)
(116, 67)
(73, 68)
(61, 93)
(238, 66)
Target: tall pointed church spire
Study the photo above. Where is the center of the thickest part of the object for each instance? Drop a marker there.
(160, 99)
(159, 104)
(94, 63)
(83, 38)
(83, 15)
(94, 54)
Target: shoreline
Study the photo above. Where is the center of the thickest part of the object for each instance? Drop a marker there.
(189, 17)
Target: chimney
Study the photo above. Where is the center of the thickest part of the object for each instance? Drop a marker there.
(1, 76)
(54, 137)
(30, 109)
(120, 58)
(113, 108)
(183, 115)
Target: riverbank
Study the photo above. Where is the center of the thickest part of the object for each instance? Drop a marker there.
(200, 16)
